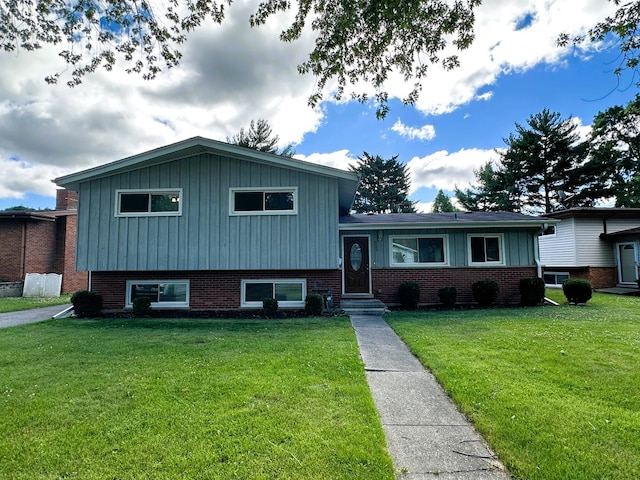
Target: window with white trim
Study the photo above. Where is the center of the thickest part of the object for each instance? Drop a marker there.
(161, 293)
(425, 250)
(263, 201)
(144, 202)
(486, 249)
(555, 278)
(288, 292)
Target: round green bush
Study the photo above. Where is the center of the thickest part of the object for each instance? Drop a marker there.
(485, 292)
(448, 296)
(409, 295)
(314, 304)
(577, 290)
(269, 307)
(141, 307)
(531, 291)
(86, 304)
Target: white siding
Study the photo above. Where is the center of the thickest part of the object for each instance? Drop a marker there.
(559, 249)
(577, 242)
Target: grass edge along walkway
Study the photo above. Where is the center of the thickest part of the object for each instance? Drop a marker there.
(554, 390)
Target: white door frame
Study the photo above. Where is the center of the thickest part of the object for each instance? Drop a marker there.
(619, 261)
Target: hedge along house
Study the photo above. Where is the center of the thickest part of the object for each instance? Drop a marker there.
(204, 225)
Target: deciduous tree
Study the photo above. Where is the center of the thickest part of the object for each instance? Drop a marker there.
(354, 41)
(613, 169)
(384, 186)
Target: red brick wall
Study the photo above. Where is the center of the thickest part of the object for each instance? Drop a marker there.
(66, 200)
(599, 277)
(11, 251)
(72, 280)
(386, 282)
(40, 248)
(209, 290)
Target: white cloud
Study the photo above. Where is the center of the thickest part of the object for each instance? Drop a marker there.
(231, 74)
(426, 132)
(340, 159)
(445, 170)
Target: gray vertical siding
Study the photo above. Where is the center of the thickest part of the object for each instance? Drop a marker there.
(518, 244)
(205, 236)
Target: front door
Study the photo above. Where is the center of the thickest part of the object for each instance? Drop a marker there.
(355, 266)
(627, 269)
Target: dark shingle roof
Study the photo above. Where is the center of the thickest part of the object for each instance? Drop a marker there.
(443, 219)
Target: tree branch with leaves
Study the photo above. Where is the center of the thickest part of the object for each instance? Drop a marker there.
(355, 41)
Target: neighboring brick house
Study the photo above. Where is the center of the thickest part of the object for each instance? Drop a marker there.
(42, 242)
(204, 225)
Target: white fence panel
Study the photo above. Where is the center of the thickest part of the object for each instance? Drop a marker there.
(42, 285)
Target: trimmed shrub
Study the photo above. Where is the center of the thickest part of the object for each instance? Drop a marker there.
(86, 304)
(531, 291)
(314, 304)
(448, 296)
(409, 294)
(485, 292)
(269, 307)
(142, 307)
(577, 290)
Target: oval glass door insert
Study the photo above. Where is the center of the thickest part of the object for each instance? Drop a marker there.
(355, 257)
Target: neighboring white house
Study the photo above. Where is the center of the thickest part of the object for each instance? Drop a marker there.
(598, 244)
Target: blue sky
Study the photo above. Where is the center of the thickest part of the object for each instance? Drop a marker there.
(233, 74)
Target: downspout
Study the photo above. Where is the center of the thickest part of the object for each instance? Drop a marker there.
(536, 253)
(89, 282)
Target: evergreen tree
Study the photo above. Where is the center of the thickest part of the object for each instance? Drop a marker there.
(259, 136)
(613, 169)
(497, 190)
(384, 186)
(541, 160)
(442, 203)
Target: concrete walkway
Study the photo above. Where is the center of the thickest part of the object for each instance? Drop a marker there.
(34, 315)
(427, 437)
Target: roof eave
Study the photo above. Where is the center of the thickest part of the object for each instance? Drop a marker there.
(194, 146)
(455, 224)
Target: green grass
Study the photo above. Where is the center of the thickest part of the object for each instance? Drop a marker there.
(554, 390)
(14, 304)
(187, 399)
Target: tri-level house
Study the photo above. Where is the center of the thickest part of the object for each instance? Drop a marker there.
(205, 225)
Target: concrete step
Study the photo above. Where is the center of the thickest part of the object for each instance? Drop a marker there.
(369, 306)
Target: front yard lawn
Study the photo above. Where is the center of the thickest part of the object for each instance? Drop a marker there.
(190, 399)
(554, 390)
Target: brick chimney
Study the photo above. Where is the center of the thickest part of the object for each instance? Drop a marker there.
(66, 200)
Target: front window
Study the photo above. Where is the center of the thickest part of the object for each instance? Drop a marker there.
(162, 294)
(288, 292)
(160, 202)
(272, 201)
(419, 251)
(486, 249)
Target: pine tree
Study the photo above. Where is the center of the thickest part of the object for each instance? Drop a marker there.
(442, 203)
(384, 186)
(542, 160)
(259, 136)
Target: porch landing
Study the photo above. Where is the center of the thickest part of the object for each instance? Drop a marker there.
(619, 290)
(369, 306)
